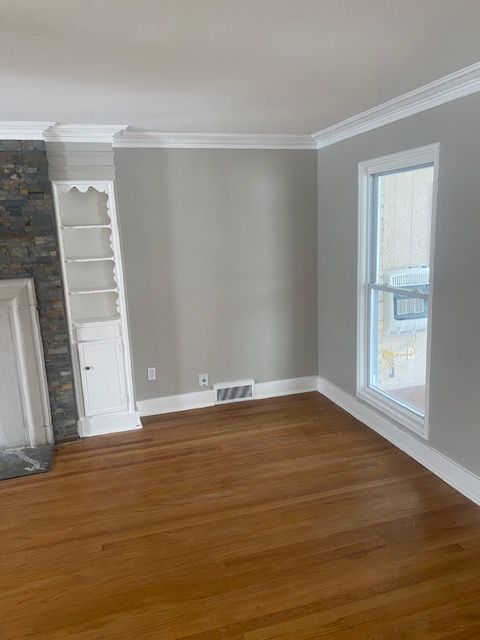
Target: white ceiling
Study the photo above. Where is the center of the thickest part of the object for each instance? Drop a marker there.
(262, 66)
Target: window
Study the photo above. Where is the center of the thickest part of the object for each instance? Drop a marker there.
(396, 212)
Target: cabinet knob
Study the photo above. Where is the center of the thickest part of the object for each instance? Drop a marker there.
(87, 368)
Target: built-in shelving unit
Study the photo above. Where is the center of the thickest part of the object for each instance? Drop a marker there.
(96, 310)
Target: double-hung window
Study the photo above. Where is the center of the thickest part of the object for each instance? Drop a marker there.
(396, 214)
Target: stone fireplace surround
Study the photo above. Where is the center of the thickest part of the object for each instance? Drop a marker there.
(28, 249)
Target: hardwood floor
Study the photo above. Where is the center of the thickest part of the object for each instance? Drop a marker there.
(281, 518)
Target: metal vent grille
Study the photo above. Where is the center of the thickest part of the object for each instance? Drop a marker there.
(409, 278)
(234, 391)
(410, 308)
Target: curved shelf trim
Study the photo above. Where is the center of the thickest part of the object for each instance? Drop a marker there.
(64, 186)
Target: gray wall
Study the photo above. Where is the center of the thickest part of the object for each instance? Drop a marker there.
(219, 251)
(455, 358)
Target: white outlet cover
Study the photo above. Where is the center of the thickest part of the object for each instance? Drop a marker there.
(203, 379)
(152, 373)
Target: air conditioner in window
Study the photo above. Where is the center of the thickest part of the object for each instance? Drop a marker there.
(403, 314)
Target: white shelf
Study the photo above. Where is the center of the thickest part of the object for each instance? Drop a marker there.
(99, 320)
(86, 226)
(89, 259)
(79, 292)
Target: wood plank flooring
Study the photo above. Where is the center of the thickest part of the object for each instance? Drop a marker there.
(278, 519)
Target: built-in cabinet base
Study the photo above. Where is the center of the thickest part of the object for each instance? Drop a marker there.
(112, 423)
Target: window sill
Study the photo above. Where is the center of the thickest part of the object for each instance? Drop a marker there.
(405, 417)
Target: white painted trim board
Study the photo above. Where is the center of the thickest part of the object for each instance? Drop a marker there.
(202, 399)
(100, 133)
(108, 424)
(179, 140)
(464, 481)
(23, 130)
(455, 85)
(18, 299)
(367, 169)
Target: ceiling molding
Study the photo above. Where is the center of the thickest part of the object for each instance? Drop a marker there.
(456, 85)
(83, 132)
(19, 130)
(159, 140)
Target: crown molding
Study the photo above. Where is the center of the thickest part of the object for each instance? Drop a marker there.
(160, 140)
(119, 137)
(23, 130)
(83, 132)
(455, 85)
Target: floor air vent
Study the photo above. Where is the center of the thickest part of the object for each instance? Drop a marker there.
(234, 391)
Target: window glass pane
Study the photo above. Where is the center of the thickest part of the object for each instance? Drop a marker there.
(398, 350)
(404, 216)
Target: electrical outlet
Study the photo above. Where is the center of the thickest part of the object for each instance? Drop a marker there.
(152, 373)
(203, 379)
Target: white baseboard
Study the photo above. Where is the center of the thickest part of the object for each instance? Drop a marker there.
(201, 399)
(286, 387)
(452, 473)
(112, 423)
(180, 402)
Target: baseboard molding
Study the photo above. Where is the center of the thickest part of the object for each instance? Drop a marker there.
(180, 402)
(452, 473)
(202, 399)
(286, 387)
(113, 423)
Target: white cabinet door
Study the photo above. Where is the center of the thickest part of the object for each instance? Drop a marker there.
(103, 376)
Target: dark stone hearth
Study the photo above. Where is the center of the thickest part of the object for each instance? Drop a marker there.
(28, 249)
(25, 462)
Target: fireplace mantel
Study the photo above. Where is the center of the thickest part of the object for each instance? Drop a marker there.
(25, 418)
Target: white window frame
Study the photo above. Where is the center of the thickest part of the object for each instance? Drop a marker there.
(400, 412)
